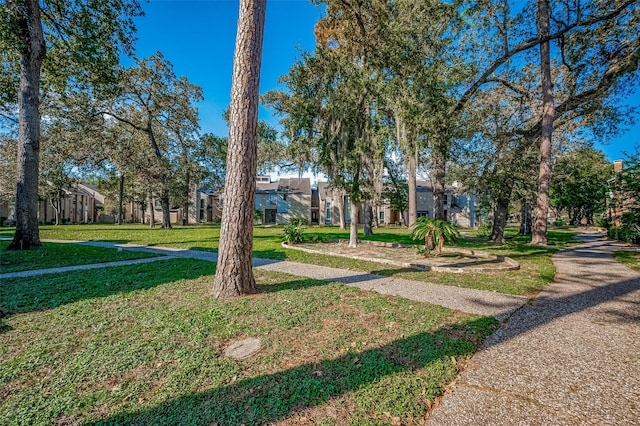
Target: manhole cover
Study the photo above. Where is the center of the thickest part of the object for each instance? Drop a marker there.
(243, 349)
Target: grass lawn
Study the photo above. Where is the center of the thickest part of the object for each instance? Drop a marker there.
(536, 267)
(142, 344)
(55, 255)
(630, 259)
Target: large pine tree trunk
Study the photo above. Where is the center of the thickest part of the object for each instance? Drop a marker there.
(234, 273)
(27, 235)
(548, 114)
(353, 229)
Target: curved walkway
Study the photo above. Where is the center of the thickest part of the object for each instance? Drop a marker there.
(488, 303)
(572, 357)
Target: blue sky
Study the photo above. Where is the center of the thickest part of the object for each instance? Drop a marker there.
(198, 37)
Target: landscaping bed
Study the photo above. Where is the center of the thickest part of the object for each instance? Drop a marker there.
(454, 260)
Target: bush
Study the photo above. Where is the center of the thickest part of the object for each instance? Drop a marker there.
(603, 222)
(299, 221)
(559, 222)
(624, 233)
(293, 231)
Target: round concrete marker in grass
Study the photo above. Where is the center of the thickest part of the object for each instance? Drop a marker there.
(243, 349)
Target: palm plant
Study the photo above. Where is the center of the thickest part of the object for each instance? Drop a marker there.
(435, 233)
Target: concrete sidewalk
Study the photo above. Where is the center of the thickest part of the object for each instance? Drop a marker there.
(488, 303)
(570, 358)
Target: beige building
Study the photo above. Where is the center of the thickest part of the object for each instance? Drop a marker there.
(458, 208)
(280, 201)
(78, 203)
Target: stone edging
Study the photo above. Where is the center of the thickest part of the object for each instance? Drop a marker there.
(511, 265)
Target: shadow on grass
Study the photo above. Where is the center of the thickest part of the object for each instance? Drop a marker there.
(21, 295)
(272, 397)
(365, 375)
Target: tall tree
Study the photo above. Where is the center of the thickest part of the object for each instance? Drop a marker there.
(75, 42)
(160, 105)
(234, 273)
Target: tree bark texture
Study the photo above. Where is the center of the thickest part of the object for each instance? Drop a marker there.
(27, 235)
(368, 219)
(439, 164)
(234, 273)
(353, 228)
(548, 114)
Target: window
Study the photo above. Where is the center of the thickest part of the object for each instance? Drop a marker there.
(327, 212)
(381, 215)
(445, 198)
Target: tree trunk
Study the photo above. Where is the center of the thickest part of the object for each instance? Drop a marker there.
(164, 203)
(120, 200)
(234, 273)
(501, 212)
(439, 164)
(56, 210)
(152, 211)
(368, 219)
(29, 31)
(412, 189)
(548, 114)
(353, 229)
(341, 212)
(499, 221)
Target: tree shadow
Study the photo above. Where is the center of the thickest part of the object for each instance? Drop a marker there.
(48, 291)
(272, 397)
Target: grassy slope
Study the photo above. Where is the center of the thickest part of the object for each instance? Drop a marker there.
(630, 259)
(142, 344)
(54, 255)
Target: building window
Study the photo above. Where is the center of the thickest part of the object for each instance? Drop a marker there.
(445, 198)
(381, 215)
(327, 213)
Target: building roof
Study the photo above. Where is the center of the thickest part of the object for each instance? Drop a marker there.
(295, 186)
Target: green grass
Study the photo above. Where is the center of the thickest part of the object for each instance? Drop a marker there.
(536, 267)
(142, 344)
(55, 255)
(630, 259)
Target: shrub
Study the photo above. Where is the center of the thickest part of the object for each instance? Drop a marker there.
(603, 222)
(299, 221)
(434, 232)
(559, 222)
(293, 231)
(626, 233)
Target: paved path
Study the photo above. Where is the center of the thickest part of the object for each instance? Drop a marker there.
(467, 300)
(570, 358)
